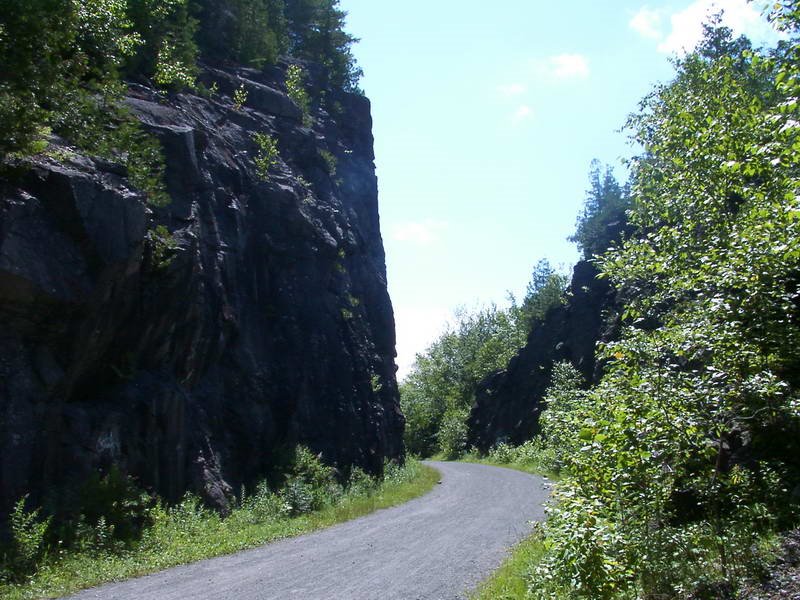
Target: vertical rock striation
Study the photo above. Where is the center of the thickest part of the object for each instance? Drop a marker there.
(188, 360)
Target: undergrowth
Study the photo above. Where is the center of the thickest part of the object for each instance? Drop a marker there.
(36, 566)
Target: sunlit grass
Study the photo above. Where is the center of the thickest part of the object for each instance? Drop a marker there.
(179, 537)
(510, 581)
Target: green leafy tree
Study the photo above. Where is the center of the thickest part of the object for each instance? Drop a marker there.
(439, 391)
(689, 444)
(168, 52)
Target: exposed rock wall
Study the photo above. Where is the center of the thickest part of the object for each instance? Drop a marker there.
(508, 403)
(264, 322)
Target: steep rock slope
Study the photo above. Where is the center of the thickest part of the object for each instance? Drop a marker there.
(508, 403)
(262, 320)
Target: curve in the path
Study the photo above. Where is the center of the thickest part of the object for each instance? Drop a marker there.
(437, 547)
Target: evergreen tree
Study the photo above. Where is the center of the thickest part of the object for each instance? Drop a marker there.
(316, 33)
(603, 220)
(250, 32)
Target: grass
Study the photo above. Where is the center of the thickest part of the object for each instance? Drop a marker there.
(189, 532)
(510, 581)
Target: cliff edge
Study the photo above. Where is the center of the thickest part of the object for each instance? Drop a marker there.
(188, 344)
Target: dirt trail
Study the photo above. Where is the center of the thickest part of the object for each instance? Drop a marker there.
(437, 547)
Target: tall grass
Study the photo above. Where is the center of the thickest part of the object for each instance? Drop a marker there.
(189, 531)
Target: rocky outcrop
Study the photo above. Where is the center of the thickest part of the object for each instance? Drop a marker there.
(508, 403)
(188, 344)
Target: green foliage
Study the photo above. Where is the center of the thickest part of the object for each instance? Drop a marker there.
(188, 531)
(162, 245)
(444, 377)
(533, 456)
(267, 154)
(562, 430)
(330, 161)
(316, 33)
(295, 88)
(250, 32)
(545, 290)
(687, 449)
(375, 384)
(310, 484)
(239, 97)
(28, 531)
(603, 220)
(115, 503)
(452, 434)
(360, 483)
(59, 61)
(52, 54)
(168, 52)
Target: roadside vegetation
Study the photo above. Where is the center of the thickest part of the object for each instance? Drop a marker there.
(438, 393)
(679, 468)
(124, 532)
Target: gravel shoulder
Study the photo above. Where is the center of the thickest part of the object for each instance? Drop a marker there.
(437, 547)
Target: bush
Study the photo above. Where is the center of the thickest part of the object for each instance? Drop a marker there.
(28, 531)
(360, 483)
(452, 435)
(116, 504)
(266, 156)
(295, 88)
(310, 484)
(263, 505)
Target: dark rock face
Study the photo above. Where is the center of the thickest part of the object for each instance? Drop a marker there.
(187, 362)
(508, 403)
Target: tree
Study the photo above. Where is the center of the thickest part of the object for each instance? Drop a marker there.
(603, 220)
(168, 52)
(544, 291)
(316, 33)
(690, 442)
(251, 32)
(439, 392)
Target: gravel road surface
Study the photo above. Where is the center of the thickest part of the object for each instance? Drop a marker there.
(436, 547)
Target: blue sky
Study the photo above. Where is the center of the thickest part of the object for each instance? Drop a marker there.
(486, 119)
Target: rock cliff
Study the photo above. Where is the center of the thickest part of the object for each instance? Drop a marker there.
(188, 344)
(508, 403)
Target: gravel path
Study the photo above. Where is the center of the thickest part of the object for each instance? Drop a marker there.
(437, 547)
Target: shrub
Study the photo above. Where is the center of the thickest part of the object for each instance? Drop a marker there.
(452, 435)
(239, 97)
(360, 483)
(267, 154)
(295, 88)
(28, 531)
(298, 497)
(116, 504)
(330, 161)
(263, 505)
(310, 484)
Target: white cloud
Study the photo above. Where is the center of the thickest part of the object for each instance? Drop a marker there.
(512, 89)
(562, 67)
(647, 23)
(523, 112)
(686, 26)
(422, 233)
